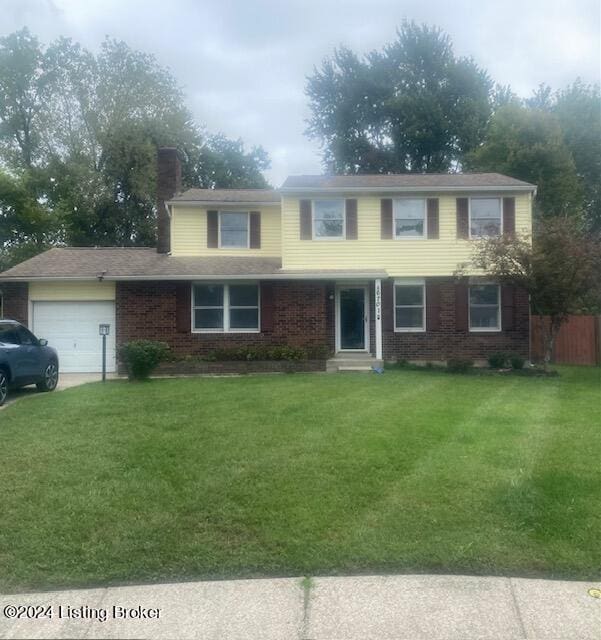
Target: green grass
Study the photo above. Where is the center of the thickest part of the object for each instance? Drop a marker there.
(302, 475)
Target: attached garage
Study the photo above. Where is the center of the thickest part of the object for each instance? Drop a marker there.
(68, 315)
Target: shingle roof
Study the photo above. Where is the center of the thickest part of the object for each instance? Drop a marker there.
(406, 180)
(228, 195)
(132, 262)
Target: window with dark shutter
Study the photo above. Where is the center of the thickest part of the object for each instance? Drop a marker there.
(351, 219)
(183, 317)
(267, 307)
(509, 216)
(507, 308)
(306, 232)
(387, 305)
(386, 219)
(255, 230)
(463, 219)
(212, 229)
(432, 306)
(461, 307)
(433, 224)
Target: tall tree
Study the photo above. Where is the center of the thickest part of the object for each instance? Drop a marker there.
(578, 109)
(414, 106)
(528, 144)
(79, 132)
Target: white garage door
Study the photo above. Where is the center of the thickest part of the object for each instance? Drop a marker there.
(72, 329)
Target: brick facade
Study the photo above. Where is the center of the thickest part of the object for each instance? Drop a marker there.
(449, 342)
(302, 315)
(15, 301)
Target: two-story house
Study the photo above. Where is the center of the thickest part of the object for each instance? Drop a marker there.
(361, 264)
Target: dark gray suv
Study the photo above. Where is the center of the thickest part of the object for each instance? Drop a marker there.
(25, 360)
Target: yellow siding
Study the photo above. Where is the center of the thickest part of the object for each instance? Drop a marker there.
(92, 290)
(189, 233)
(398, 257)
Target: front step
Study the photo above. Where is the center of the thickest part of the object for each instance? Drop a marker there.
(352, 362)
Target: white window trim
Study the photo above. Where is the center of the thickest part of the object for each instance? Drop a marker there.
(226, 307)
(469, 216)
(424, 236)
(247, 213)
(410, 282)
(328, 238)
(496, 329)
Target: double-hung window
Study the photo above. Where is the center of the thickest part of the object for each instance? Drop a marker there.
(485, 217)
(409, 306)
(409, 217)
(485, 307)
(225, 308)
(233, 229)
(328, 219)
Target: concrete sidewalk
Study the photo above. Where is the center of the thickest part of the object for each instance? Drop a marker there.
(408, 607)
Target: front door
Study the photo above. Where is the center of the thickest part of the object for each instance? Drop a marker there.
(352, 319)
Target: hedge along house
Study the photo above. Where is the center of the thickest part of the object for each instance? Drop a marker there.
(362, 265)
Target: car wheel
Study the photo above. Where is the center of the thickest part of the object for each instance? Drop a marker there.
(50, 379)
(3, 387)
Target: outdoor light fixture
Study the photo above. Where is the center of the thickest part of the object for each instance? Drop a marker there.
(104, 330)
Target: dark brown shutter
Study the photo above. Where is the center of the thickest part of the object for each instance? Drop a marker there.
(433, 218)
(351, 218)
(212, 229)
(507, 307)
(386, 218)
(461, 306)
(267, 307)
(509, 216)
(387, 305)
(463, 219)
(432, 306)
(183, 319)
(306, 232)
(255, 230)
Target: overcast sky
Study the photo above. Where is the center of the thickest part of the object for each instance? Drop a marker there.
(243, 63)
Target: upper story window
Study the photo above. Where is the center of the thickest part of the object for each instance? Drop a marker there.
(485, 217)
(225, 308)
(409, 217)
(328, 219)
(233, 229)
(485, 307)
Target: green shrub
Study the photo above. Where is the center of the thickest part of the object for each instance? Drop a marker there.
(277, 352)
(459, 365)
(141, 357)
(402, 363)
(498, 360)
(517, 362)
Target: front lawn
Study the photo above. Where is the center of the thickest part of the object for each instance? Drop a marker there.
(302, 474)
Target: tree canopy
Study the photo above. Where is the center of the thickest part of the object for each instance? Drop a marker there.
(413, 106)
(79, 133)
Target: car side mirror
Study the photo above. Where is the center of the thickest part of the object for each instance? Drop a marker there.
(42, 342)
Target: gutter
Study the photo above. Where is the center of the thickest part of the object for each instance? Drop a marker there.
(432, 189)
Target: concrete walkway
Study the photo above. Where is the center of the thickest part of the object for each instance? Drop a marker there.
(410, 607)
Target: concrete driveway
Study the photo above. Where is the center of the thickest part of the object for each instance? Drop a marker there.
(65, 381)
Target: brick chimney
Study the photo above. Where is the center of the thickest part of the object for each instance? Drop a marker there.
(169, 183)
